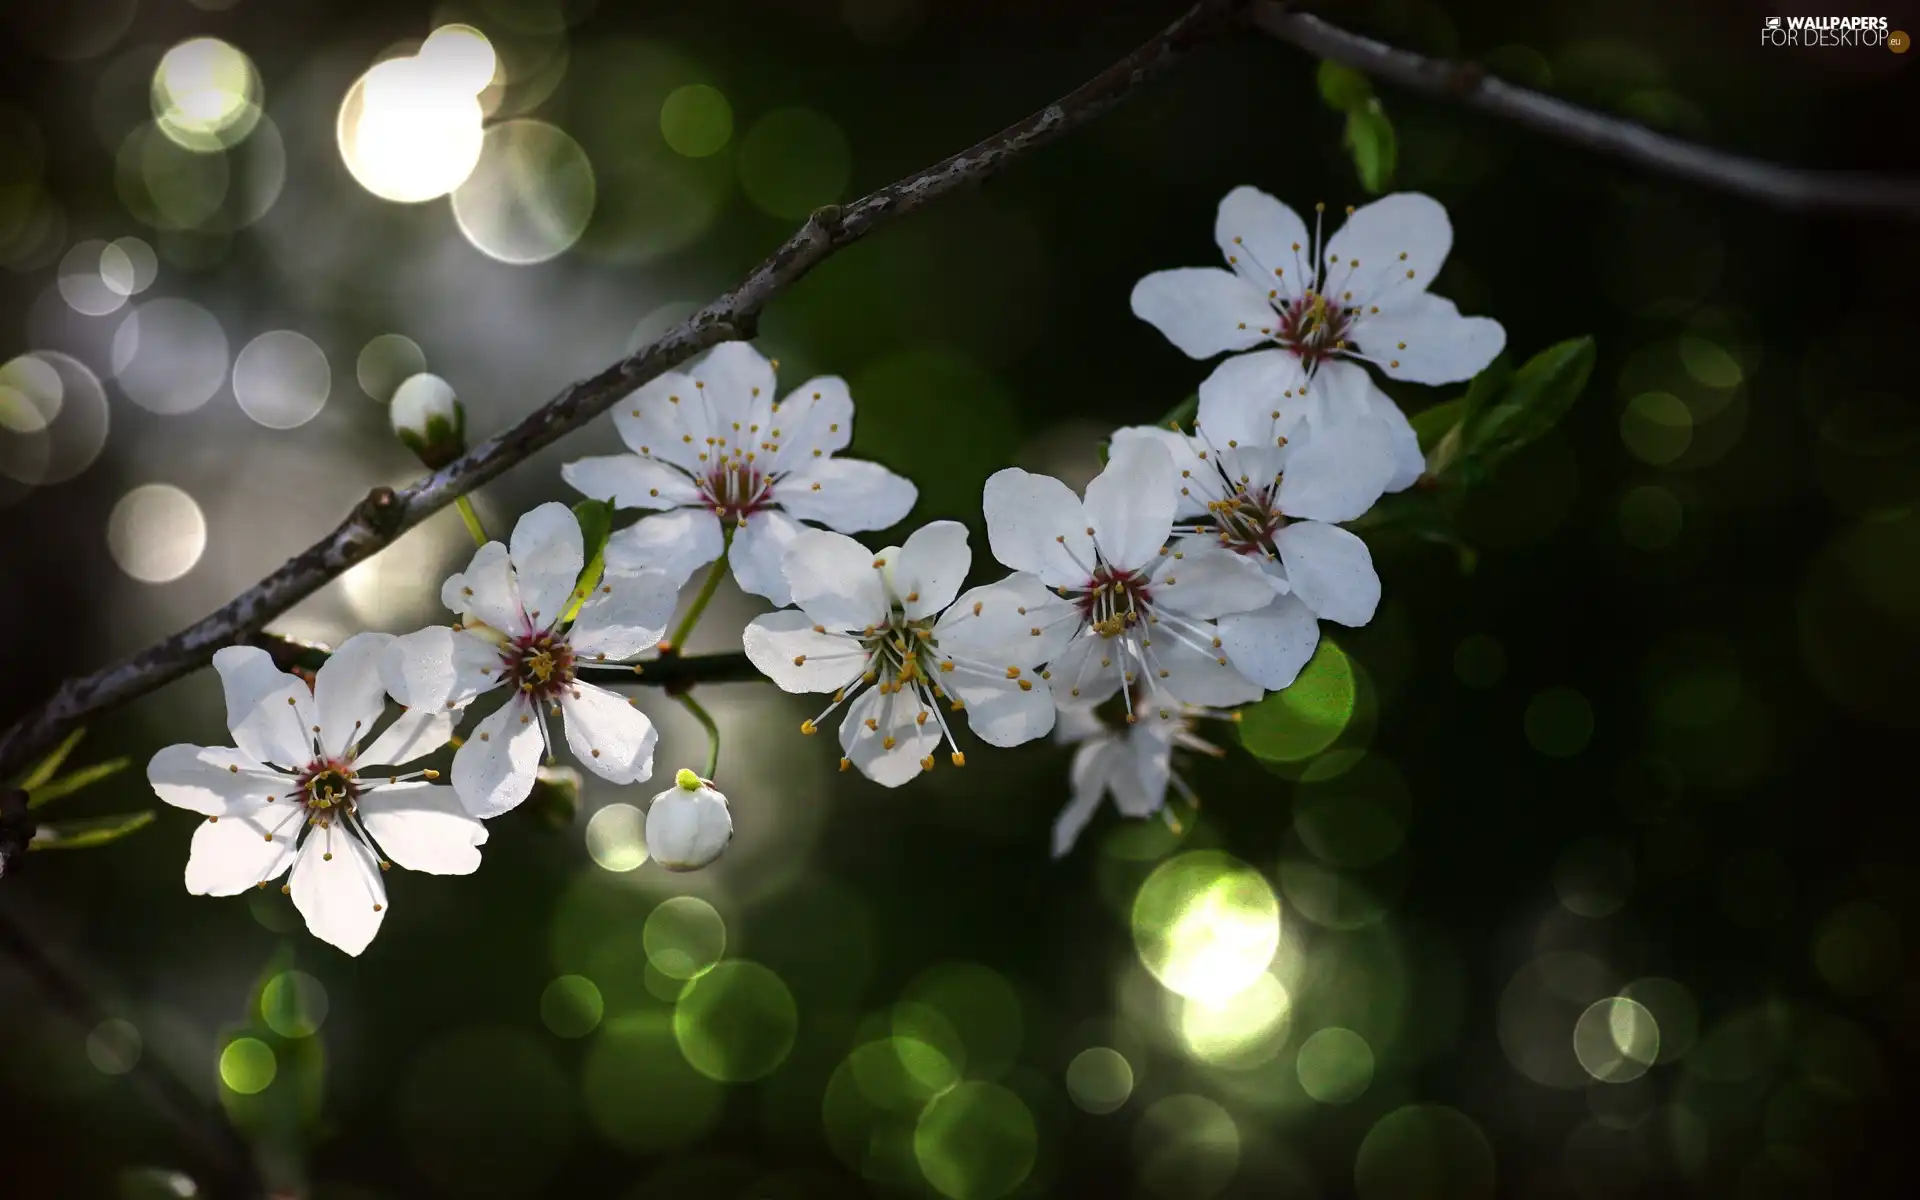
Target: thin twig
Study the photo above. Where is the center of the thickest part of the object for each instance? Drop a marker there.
(670, 671)
(1795, 189)
(385, 514)
(225, 1152)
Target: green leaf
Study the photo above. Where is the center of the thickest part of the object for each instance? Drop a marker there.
(66, 785)
(1342, 87)
(596, 524)
(1435, 422)
(1532, 402)
(1370, 137)
(39, 775)
(1182, 414)
(88, 832)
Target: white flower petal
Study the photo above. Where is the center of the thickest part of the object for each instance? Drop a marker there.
(630, 481)
(654, 426)
(846, 494)
(1078, 724)
(738, 383)
(1140, 787)
(678, 542)
(213, 780)
(893, 715)
(1130, 503)
(688, 828)
(348, 695)
(439, 667)
(758, 553)
(609, 736)
(423, 827)
(1265, 242)
(243, 849)
(1207, 582)
(1204, 310)
(1001, 711)
(249, 678)
(494, 769)
(930, 568)
(1087, 671)
(1337, 471)
(416, 733)
(337, 887)
(1014, 623)
(488, 590)
(1087, 778)
(1197, 484)
(1424, 339)
(1409, 464)
(1036, 524)
(1189, 667)
(814, 421)
(835, 580)
(627, 613)
(1376, 236)
(548, 553)
(1238, 400)
(1330, 570)
(785, 648)
(1272, 645)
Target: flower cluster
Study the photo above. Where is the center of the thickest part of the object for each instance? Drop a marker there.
(1188, 579)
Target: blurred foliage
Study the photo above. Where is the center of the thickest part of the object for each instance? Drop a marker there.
(1368, 135)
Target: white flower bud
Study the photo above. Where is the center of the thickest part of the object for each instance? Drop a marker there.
(688, 824)
(428, 418)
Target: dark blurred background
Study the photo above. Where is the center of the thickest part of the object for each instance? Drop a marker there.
(1591, 869)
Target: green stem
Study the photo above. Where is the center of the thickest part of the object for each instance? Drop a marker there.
(472, 519)
(713, 733)
(678, 641)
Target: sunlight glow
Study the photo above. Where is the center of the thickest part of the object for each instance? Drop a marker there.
(410, 128)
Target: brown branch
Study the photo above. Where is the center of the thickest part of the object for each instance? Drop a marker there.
(1792, 188)
(674, 672)
(385, 514)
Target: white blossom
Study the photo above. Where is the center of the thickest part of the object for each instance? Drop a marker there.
(304, 786)
(711, 448)
(1310, 313)
(1133, 609)
(1275, 506)
(1129, 760)
(883, 633)
(518, 633)
(428, 419)
(688, 825)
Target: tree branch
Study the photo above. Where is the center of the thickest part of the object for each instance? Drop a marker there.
(1792, 188)
(386, 514)
(674, 672)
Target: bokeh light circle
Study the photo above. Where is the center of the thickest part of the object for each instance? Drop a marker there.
(247, 1066)
(206, 95)
(1186, 1147)
(1593, 877)
(1616, 1040)
(1308, 716)
(1356, 818)
(793, 161)
(53, 418)
(529, 197)
(460, 58)
(1100, 1080)
(72, 30)
(169, 355)
(617, 834)
(696, 120)
(1335, 1066)
(571, 1006)
(1239, 1031)
(684, 936)
(114, 1046)
(129, 266)
(970, 1012)
(156, 533)
(639, 1091)
(294, 1004)
(976, 1141)
(281, 379)
(409, 130)
(1424, 1152)
(736, 1022)
(386, 362)
(83, 280)
(1206, 925)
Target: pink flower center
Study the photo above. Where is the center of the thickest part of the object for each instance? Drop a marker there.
(328, 788)
(733, 490)
(1247, 521)
(539, 664)
(1313, 327)
(1115, 600)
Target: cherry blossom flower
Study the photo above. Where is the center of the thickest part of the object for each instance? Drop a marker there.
(1318, 311)
(688, 825)
(519, 632)
(883, 633)
(1134, 609)
(1275, 506)
(1129, 760)
(715, 454)
(304, 786)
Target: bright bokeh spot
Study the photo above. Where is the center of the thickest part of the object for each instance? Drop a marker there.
(282, 379)
(684, 936)
(410, 128)
(83, 281)
(1238, 1031)
(1206, 925)
(156, 533)
(617, 837)
(460, 57)
(386, 362)
(571, 1006)
(1616, 1040)
(247, 1066)
(1424, 1152)
(294, 1004)
(872, 1104)
(1187, 1148)
(696, 120)
(1306, 717)
(529, 196)
(129, 266)
(170, 355)
(1099, 1079)
(976, 1141)
(736, 1022)
(206, 95)
(1335, 1066)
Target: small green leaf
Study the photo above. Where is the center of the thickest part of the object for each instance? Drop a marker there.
(88, 832)
(1342, 87)
(1533, 401)
(39, 775)
(596, 524)
(1370, 137)
(66, 785)
(1435, 422)
(1182, 414)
